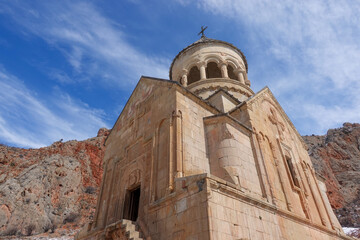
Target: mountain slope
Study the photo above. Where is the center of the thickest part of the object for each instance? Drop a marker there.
(336, 156)
(50, 189)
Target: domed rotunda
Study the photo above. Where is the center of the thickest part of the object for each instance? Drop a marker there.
(208, 65)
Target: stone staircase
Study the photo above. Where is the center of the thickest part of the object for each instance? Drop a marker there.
(123, 230)
(131, 230)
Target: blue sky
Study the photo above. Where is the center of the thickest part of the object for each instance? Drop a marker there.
(67, 68)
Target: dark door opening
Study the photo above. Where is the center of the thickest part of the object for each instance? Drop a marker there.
(131, 206)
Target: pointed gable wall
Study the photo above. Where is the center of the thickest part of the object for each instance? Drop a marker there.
(131, 153)
(292, 184)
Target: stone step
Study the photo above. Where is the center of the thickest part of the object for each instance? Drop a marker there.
(131, 230)
(129, 227)
(132, 234)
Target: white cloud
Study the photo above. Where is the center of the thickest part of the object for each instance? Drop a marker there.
(60, 76)
(315, 43)
(27, 121)
(92, 44)
(325, 116)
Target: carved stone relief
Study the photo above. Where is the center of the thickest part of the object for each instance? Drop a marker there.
(134, 178)
(275, 120)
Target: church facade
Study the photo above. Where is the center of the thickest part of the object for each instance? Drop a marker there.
(201, 156)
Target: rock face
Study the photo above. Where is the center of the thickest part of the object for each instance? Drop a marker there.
(336, 156)
(51, 189)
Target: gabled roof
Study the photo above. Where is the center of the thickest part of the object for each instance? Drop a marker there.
(169, 83)
(263, 91)
(234, 99)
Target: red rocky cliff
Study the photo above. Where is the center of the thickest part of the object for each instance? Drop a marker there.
(336, 156)
(51, 189)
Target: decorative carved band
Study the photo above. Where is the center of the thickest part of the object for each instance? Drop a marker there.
(213, 88)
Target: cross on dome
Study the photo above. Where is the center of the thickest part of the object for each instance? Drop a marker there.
(202, 31)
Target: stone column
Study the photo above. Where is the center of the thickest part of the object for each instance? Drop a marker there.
(268, 187)
(201, 66)
(285, 189)
(172, 139)
(258, 166)
(101, 197)
(224, 72)
(110, 191)
(178, 144)
(324, 213)
(240, 75)
(315, 196)
(247, 81)
(184, 80)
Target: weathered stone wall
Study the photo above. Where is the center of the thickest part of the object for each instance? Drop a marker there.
(183, 215)
(236, 215)
(195, 157)
(289, 180)
(231, 155)
(138, 153)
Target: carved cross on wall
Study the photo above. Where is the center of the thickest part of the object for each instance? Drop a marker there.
(279, 125)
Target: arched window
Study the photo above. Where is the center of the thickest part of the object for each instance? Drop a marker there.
(212, 70)
(231, 73)
(194, 75)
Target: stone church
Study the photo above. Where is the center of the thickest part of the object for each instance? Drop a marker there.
(201, 156)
